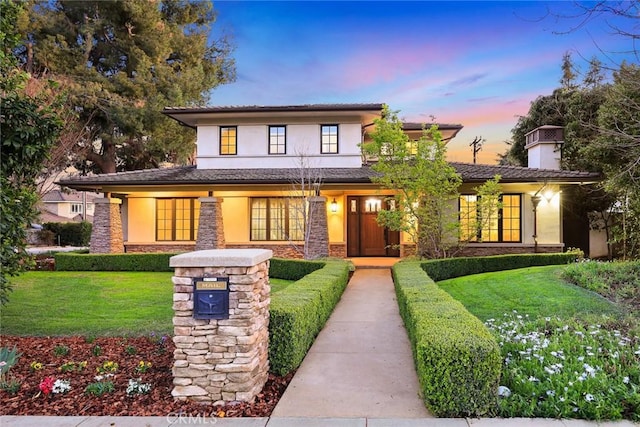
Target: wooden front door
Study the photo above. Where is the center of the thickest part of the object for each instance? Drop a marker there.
(364, 236)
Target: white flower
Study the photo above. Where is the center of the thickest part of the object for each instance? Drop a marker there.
(589, 397)
(61, 386)
(551, 393)
(625, 380)
(504, 391)
(533, 379)
(137, 387)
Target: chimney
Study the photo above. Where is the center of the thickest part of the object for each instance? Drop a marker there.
(544, 147)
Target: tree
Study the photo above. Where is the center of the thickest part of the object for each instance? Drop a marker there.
(425, 185)
(600, 120)
(122, 62)
(617, 149)
(29, 128)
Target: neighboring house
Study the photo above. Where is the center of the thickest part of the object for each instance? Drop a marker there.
(59, 206)
(247, 182)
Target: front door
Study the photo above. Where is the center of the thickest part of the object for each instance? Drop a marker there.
(364, 236)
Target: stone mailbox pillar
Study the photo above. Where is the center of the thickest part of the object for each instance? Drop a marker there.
(224, 359)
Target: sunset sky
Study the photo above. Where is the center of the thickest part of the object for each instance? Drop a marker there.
(479, 64)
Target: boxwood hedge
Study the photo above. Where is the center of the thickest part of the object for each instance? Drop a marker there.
(299, 312)
(457, 359)
(66, 261)
(442, 269)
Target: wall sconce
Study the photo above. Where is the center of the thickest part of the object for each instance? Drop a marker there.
(535, 201)
(548, 196)
(334, 206)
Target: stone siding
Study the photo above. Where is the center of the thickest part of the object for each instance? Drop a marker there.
(224, 360)
(106, 235)
(319, 244)
(210, 224)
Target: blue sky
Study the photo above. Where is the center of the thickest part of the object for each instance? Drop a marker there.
(479, 64)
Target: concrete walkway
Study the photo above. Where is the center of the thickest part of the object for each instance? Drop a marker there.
(360, 365)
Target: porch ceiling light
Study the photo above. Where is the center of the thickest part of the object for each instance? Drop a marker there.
(334, 205)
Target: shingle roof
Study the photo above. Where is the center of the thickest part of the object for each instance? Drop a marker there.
(274, 108)
(190, 175)
(59, 196)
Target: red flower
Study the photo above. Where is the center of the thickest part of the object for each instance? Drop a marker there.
(46, 385)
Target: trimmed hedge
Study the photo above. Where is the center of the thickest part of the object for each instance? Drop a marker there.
(280, 268)
(292, 269)
(457, 359)
(299, 312)
(69, 233)
(442, 269)
(113, 262)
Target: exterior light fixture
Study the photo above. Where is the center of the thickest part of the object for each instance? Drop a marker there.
(535, 201)
(548, 196)
(334, 205)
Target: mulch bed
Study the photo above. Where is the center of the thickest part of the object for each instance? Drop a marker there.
(127, 353)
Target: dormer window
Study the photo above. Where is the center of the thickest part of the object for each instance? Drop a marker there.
(277, 140)
(228, 140)
(329, 139)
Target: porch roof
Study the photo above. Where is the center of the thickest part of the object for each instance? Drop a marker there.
(189, 175)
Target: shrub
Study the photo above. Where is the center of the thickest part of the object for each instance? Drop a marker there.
(70, 233)
(457, 359)
(449, 268)
(113, 262)
(300, 311)
(292, 269)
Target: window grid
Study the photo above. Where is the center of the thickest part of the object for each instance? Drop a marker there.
(76, 208)
(177, 219)
(277, 140)
(504, 226)
(277, 219)
(228, 140)
(329, 139)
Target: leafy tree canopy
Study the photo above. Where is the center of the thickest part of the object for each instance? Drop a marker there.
(122, 62)
(29, 127)
(425, 185)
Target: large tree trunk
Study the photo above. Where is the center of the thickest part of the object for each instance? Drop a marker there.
(106, 161)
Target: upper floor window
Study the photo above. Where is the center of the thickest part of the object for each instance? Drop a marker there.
(277, 140)
(177, 219)
(228, 140)
(76, 208)
(329, 139)
(502, 225)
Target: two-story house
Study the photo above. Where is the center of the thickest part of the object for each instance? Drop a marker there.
(254, 164)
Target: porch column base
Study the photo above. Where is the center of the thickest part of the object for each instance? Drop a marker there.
(210, 225)
(106, 234)
(318, 244)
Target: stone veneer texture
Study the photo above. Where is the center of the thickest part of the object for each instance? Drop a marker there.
(226, 360)
(106, 234)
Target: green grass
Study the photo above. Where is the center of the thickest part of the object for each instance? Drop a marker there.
(536, 291)
(92, 303)
(88, 303)
(279, 284)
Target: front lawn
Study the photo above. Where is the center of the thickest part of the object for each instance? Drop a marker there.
(568, 352)
(92, 303)
(534, 291)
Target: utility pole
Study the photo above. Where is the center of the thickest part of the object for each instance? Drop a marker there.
(477, 146)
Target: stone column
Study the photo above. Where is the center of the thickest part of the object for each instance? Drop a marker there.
(318, 244)
(222, 360)
(106, 234)
(210, 225)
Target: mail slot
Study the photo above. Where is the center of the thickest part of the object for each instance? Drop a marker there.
(211, 298)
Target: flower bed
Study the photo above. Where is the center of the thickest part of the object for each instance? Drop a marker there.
(107, 376)
(558, 369)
